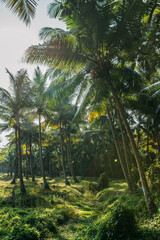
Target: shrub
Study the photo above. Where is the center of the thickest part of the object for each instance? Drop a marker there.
(23, 231)
(61, 216)
(103, 181)
(42, 223)
(122, 222)
(119, 225)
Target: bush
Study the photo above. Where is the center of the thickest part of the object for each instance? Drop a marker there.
(119, 225)
(43, 224)
(122, 222)
(153, 178)
(61, 216)
(103, 181)
(22, 231)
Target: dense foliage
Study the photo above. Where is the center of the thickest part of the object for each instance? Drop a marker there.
(94, 113)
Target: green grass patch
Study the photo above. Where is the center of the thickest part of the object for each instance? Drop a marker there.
(73, 212)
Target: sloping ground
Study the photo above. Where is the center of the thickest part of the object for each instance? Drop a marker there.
(63, 211)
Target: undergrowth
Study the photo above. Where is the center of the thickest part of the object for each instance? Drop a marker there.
(74, 212)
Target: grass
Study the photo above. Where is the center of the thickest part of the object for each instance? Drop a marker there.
(63, 210)
(70, 208)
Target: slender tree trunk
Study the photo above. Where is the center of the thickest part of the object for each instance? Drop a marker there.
(22, 187)
(110, 165)
(50, 168)
(118, 152)
(125, 152)
(46, 186)
(96, 170)
(49, 165)
(131, 156)
(81, 168)
(149, 201)
(70, 162)
(11, 169)
(31, 160)
(16, 159)
(69, 157)
(62, 155)
(148, 152)
(26, 163)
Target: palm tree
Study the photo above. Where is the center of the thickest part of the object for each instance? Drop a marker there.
(30, 136)
(39, 91)
(12, 106)
(57, 117)
(24, 9)
(68, 131)
(147, 106)
(10, 157)
(97, 43)
(7, 125)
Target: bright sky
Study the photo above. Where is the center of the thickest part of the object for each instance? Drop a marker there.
(15, 38)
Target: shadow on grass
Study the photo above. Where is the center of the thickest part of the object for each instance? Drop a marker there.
(24, 201)
(5, 177)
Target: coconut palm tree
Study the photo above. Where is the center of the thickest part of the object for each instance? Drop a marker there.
(30, 136)
(57, 117)
(39, 91)
(12, 107)
(101, 39)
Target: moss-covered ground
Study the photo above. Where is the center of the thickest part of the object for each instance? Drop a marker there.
(63, 211)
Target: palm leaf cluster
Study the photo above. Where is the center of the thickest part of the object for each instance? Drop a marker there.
(24, 9)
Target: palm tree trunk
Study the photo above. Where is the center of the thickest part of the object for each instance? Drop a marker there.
(70, 161)
(16, 159)
(22, 187)
(149, 201)
(62, 155)
(81, 168)
(46, 186)
(118, 151)
(125, 152)
(26, 163)
(69, 156)
(148, 153)
(31, 160)
(11, 169)
(110, 165)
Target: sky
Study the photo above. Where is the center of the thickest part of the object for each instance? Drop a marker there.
(15, 38)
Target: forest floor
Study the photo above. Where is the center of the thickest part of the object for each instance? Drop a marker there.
(58, 213)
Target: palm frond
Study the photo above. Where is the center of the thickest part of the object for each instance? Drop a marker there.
(4, 94)
(56, 54)
(152, 87)
(83, 101)
(55, 9)
(155, 95)
(50, 34)
(3, 127)
(158, 109)
(24, 9)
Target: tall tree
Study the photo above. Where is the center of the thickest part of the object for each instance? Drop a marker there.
(12, 107)
(103, 38)
(39, 90)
